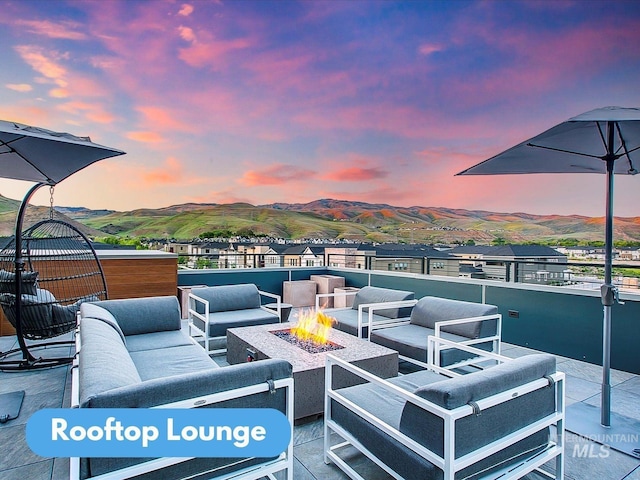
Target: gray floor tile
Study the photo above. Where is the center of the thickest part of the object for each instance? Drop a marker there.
(579, 389)
(633, 475)
(35, 381)
(31, 404)
(14, 448)
(593, 373)
(60, 469)
(622, 402)
(596, 461)
(308, 432)
(35, 471)
(632, 385)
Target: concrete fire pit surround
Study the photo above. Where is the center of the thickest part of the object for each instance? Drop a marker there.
(308, 368)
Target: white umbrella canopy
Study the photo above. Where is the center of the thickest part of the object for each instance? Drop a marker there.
(605, 140)
(43, 156)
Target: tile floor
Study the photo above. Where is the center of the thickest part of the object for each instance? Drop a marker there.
(51, 388)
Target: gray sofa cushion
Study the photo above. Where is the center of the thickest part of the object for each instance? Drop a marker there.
(219, 322)
(104, 361)
(92, 310)
(144, 315)
(370, 294)
(157, 341)
(229, 297)
(430, 310)
(474, 431)
(172, 361)
(347, 320)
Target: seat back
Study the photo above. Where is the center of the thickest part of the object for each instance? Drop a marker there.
(370, 294)
(430, 310)
(477, 430)
(224, 298)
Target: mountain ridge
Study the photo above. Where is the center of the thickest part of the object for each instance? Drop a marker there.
(342, 219)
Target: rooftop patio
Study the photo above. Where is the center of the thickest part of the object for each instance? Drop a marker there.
(51, 388)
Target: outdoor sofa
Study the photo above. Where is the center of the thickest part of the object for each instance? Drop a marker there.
(371, 305)
(466, 323)
(133, 354)
(434, 424)
(212, 310)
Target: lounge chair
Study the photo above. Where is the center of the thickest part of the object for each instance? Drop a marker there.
(435, 424)
(212, 310)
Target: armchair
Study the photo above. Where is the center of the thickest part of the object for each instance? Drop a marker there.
(436, 424)
(466, 323)
(212, 310)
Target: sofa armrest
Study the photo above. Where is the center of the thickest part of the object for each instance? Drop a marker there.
(372, 307)
(278, 302)
(485, 318)
(333, 295)
(194, 315)
(436, 344)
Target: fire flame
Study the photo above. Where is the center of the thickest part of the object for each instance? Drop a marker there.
(314, 326)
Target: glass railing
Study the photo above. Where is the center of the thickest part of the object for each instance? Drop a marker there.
(581, 275)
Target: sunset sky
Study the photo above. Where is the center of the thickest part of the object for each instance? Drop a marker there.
(280, 101)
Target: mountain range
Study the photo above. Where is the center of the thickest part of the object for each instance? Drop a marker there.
(335, 219)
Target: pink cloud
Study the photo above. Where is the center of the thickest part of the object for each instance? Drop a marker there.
(169, 173)
(66, 30)
(429, 48)
(186, 10)
(210, 52)
(43, 64)
(161, 118)
(145, 137)
(354, 174)
(277, 174)
(19, 87)
(92, 111)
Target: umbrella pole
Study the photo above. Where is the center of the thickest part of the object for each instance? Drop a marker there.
(608, 289)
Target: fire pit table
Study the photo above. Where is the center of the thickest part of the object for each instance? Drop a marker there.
(262, 341)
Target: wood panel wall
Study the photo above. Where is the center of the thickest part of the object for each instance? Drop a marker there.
(130, 278)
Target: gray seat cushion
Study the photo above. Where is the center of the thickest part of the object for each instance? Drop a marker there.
(347, 320)
(219, 322)
(157, 341)
(430, 310)
(175, 360)
(411, 341)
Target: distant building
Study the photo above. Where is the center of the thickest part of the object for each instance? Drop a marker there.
(535, 263)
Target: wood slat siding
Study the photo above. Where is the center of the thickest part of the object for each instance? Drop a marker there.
(130, 278)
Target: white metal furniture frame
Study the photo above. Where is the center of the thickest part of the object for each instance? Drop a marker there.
(203, 335)
(448, 462)
(284, 462)
(442, 344)
(367, 310)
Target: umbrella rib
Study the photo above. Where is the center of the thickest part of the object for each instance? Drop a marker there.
(563, 151)
(13, 150)
(623, 145)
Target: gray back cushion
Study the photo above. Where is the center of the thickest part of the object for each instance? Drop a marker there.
(91, 310)
(144, 315)
(229, 297)
(430, 310)
(378, 295)
(105, 363)
(493, 423)
(8, 285)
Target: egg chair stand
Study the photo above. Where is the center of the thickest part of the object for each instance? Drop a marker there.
(46, 272)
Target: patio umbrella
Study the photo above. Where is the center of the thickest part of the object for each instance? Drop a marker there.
(605, 140)
(45, 157)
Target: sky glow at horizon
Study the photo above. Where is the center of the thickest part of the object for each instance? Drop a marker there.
(281, 101)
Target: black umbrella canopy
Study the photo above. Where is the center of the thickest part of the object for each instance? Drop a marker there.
(43, 156)
(578, 145)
